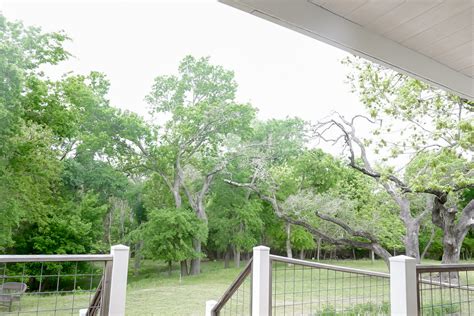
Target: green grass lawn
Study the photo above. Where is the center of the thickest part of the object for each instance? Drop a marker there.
(154, 293)
(296, 290)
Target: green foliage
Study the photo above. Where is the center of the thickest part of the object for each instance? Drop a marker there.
(70, 228)
(425, 124)
(169, 233)
(234, 220)
(441, 171)
(301, 239)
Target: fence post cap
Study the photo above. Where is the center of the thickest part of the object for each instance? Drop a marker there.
(261, 248)
(120, 247)
(401, 258)
(210, 306)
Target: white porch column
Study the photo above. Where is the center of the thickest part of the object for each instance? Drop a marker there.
(403, 292)
(118, 287)
(261, 287)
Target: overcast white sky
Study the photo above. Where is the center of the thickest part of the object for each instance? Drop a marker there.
(279, 71)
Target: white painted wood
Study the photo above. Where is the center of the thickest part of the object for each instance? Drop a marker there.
(261, 287)
(209, 306)
(403, 292)
(83, 312)
(343, 8)
(118, 287)
(53, 258)
(457, 53)
(443, 29)
(462, 63)
(399, 15)
(469, 71)
(445, 44)
(317, 22)
(366, 13)
(428, 19)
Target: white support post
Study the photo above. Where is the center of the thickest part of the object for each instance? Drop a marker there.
(261, 270)
(403, 291)
(118, 287)
(209, 306)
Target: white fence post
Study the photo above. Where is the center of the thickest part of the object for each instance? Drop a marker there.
(209, 306)
(261, 287)
(118, 287)
(403, 291)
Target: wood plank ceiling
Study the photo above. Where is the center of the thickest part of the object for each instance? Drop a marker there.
(441, 30)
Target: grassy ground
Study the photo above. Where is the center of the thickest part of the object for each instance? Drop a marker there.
(153, 292)
(156, 293)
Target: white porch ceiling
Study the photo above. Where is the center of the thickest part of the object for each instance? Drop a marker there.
(429, 39)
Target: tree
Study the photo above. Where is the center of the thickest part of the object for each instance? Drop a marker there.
(427, 121)
(169, 233)
(235, 222)
(60, 145)
(359, 160)
(194, 143)
(28, 170)
(296, 197)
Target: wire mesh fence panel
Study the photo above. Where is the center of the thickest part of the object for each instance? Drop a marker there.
(49, 288)
(445, 290)
(237, 300)
(306, 289)
(240, 302)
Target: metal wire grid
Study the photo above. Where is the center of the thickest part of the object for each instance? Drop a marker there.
(53, 288)
(240, 303)
(445, 290)
(307, 290)
(237, 300)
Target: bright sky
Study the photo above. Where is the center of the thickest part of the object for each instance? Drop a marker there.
(279, 71)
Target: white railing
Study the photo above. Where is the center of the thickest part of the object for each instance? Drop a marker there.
(83, 284)
(281, 285)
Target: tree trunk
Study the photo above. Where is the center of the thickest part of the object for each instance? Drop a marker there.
(412, 246)
(196, 262)
(170, 268)
(184, 267)
(354, 253)
(226, 259)
(289, 253)
(302, 254)
(236, 257)
(382, 253)
(372, 256)
(138, 257)
(318, 255)
(451, 243)
(453, 233)
(430, 241)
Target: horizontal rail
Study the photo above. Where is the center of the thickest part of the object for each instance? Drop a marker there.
(423, 268)
(443, 268)
(328, 266)
(53, 258)
(233, 288)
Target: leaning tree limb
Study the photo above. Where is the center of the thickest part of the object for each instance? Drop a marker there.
(395, 187)
(371, 244)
